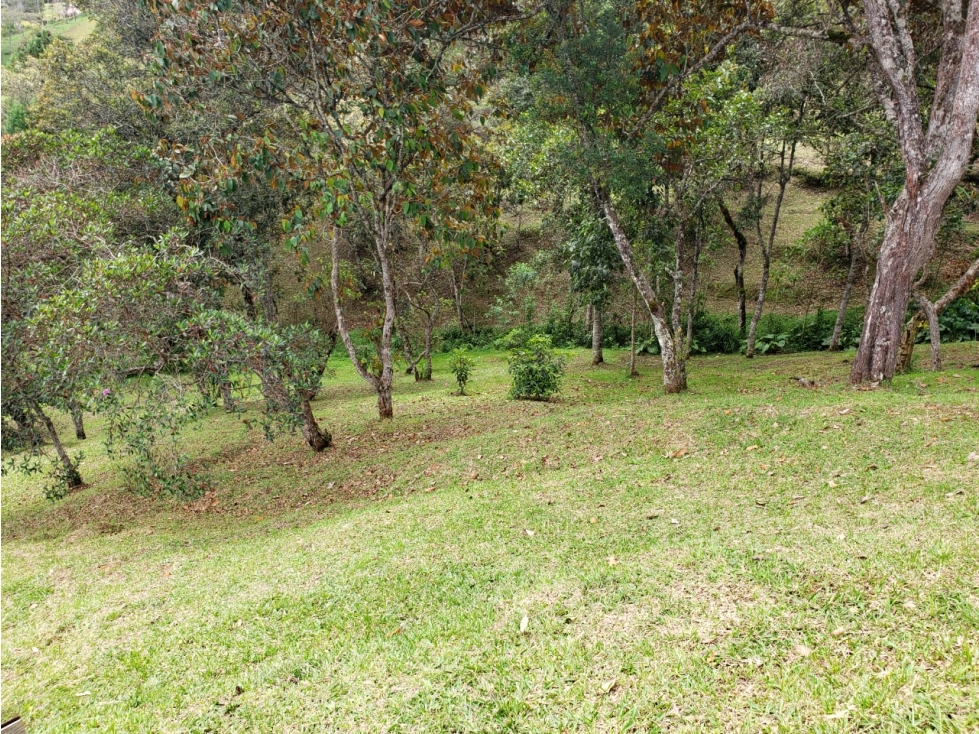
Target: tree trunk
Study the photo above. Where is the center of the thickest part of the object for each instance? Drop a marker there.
(385, 407)
(78, 420)
(911, 329)
(317, 438)
(851, 277)
(934, 161)
(72, 477)
(934, 332)
(909, 239)
(382, 382)
(632, 339)
(588, 310)
(597, 357)
(784, 176)
(739, 268)
(674, 366)
(227, 399)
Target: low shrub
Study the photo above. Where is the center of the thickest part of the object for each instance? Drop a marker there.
(461, 365)
(536, 369)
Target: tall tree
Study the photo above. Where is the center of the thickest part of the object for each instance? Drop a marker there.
(376, 116)
(935, 133)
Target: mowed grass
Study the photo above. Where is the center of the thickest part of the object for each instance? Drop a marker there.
(750, 556)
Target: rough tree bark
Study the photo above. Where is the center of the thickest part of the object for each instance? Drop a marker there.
(318, 438)
(597, 356)
(929, 313)
(934, 159)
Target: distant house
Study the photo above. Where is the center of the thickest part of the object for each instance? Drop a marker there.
(71, 11)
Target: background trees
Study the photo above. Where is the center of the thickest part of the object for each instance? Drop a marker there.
(416, 163)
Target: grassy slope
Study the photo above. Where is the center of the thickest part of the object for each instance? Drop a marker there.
(807, 562)
(75, 30)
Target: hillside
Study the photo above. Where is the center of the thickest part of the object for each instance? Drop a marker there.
(751, 556)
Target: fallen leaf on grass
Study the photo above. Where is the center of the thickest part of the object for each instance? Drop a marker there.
(761, 503)
(802, 651)
(838, 631)
(865, 499)
(674, 521)
(678, 453)
(395, 631)
(524, 623)
(956, 492)
(753, 447)
(610, 686)
(972, 457)
(530, 533)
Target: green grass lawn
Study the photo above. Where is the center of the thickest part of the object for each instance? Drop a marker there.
(750, 556)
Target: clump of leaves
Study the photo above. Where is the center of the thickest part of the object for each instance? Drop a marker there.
(536, 370)
(461, 365)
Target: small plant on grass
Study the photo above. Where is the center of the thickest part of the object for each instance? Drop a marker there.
(461, 366)
(536, 370)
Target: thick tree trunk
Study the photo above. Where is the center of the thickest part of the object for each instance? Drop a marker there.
(73, 479)
(934, 161)
(385, 406)
(597, 356)
(851, 277)
(909, 239)
(742, 241)
(78, 420)
(317, 438)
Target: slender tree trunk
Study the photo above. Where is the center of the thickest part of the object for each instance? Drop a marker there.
(632, 339)
(73, 478)
(317, 438)
(381, 383)
(784, 176)
(429, 328)
(406, 347)
(934, 331)
(78, 420)
(597, 356)
(739, 268)
(911, 329)
(588, 310)
(851, 277)
(674, 367)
